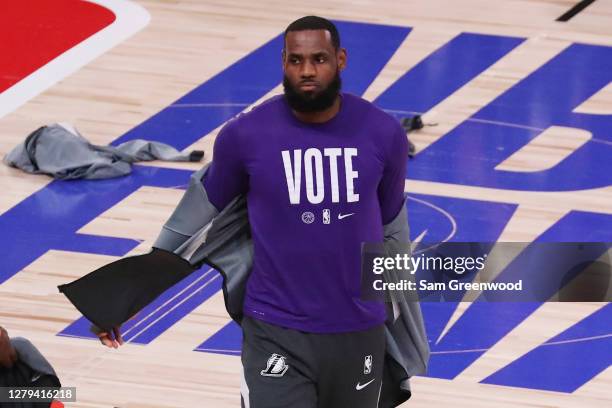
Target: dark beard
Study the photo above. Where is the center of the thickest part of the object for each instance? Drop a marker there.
(311, 102)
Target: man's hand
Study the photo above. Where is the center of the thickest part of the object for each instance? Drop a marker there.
(8, 355)
(109, 339)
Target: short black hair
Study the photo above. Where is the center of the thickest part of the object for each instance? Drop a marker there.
(315, 23)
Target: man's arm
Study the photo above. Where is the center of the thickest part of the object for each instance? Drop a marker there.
(8, 355)
(227, 177)
(391, 187)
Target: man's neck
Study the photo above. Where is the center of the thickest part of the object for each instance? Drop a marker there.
(320, 117)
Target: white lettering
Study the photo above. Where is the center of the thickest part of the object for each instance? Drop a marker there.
(351, 175)
(315, 177)
(310, 156)
(293, 178)
(333, 154)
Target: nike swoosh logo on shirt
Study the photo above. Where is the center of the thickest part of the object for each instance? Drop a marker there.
(360, 387)
(341, 216)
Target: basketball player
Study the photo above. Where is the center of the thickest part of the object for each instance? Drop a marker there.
(323, 171)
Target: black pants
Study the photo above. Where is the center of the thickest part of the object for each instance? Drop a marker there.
(286, 368)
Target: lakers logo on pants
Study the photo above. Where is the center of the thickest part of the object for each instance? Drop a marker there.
(291, 368)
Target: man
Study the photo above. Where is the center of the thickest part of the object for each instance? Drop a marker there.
(322, 171)
(22, 365)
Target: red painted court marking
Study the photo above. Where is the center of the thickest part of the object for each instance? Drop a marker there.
(34, 32)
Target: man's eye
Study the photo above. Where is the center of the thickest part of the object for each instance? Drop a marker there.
(294, 60)
(321, 60)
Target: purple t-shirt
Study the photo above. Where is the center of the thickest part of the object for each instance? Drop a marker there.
(315, 193)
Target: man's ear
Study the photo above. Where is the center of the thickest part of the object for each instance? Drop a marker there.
(283, 57)
(342, 57)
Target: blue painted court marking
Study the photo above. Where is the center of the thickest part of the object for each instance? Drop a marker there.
(228, 340)
(565, 362)
(177, 312)
(476, 221)
(472, 221)
(484, 324)
(445, 71)
(50, 218)
(369, 48)
(545, 98)
(170, 300)
(214, 102)
(553, 261)
(476, 331)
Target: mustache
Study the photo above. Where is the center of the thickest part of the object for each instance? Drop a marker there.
(311, 101)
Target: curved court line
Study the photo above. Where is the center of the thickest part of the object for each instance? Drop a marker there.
(494, 122)
(444, 212)
(129, 19)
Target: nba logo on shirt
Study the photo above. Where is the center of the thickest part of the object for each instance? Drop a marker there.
(326, 216)
(367, 365)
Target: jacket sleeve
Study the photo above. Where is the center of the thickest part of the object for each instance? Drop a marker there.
(190, 219)
(199, 234)
(407, 352)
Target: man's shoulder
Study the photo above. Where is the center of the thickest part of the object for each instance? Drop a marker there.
(370, 112)
(258, 112)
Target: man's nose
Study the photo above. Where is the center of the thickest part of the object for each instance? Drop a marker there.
(308, 70)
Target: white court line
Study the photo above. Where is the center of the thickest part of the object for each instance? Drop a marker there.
(209, 105)
(553, 343)
(594, 139)
(578, 340)
(178, 304)
(444, 212)
(218, 350)
(459, 351)
(129, 19)
(169, 300)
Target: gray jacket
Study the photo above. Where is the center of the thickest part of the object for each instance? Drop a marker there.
(30, 355)
(60, 151)
(200, 234)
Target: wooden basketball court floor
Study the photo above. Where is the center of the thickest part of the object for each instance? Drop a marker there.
(521, 151)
